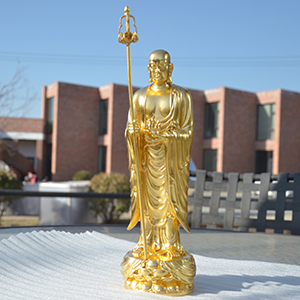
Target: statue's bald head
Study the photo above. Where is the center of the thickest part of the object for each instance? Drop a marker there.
(160, 55)
(160, 67)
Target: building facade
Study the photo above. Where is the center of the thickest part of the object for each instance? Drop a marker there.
(82, 128)
(21, 143)
(248, 132)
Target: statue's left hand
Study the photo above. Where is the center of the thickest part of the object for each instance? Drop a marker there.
(156, 134)
(173, 129)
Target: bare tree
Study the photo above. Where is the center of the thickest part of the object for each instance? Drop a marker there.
(17, 87)
(10, 93)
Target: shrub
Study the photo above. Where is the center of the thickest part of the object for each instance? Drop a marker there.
(109, 209)
(82, 175)
(7, 182)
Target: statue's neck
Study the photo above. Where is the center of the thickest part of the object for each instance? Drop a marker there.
(160, 87)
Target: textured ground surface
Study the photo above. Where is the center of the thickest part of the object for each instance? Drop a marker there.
(59, 265)
(218, 244)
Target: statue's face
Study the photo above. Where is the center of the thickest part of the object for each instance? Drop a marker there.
(159, 68)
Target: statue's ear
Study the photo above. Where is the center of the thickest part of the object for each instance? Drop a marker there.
(150, 79)
(170, 72)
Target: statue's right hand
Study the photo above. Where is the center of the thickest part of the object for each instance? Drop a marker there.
(133, 127)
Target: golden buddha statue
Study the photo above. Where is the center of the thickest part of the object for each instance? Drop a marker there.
(163, 127)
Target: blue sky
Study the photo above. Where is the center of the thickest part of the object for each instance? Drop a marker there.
(248, 45)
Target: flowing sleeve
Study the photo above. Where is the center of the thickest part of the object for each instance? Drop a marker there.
(179, 157)
(129, 135)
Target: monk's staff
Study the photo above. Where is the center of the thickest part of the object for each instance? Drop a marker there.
(127, 38)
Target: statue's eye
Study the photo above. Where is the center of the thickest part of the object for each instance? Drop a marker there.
(152, 65)
(162, 65)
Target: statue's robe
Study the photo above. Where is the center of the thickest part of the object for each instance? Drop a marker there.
(163, 161)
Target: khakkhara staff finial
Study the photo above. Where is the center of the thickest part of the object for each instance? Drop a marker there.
(127, 37)
(159, 136)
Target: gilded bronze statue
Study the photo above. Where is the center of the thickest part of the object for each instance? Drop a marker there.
(159, 136)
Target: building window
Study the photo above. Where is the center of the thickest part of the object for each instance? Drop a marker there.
(102, 159)
(265, 122)
(50, 115)
(210, 160)
(48, 161)
(103, 117)
(211, 120)
(264, 162)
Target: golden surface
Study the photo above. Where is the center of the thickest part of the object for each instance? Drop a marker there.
(172, 278)
(159, 136)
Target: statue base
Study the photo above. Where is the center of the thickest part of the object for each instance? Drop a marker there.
(167, 277)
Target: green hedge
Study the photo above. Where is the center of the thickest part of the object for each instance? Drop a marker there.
(82, 175)
(109, 209)
(7, 182)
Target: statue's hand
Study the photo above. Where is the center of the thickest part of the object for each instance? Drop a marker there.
(173, 129)
(133, 127)
(174, 126)
(156, 134)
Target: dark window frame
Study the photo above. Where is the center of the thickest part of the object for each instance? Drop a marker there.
(262, 133)
(50, 104)
(102, 153)
(211, 119)
(103, 116)
(210, 166)
(48, 161)
(263, 162)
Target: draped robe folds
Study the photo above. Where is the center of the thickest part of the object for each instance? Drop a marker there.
(163, 160)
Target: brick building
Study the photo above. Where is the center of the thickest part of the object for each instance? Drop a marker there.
(24, 139)
(253, 132)
(234, 131)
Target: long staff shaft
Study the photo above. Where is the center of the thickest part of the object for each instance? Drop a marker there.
(136, 153)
